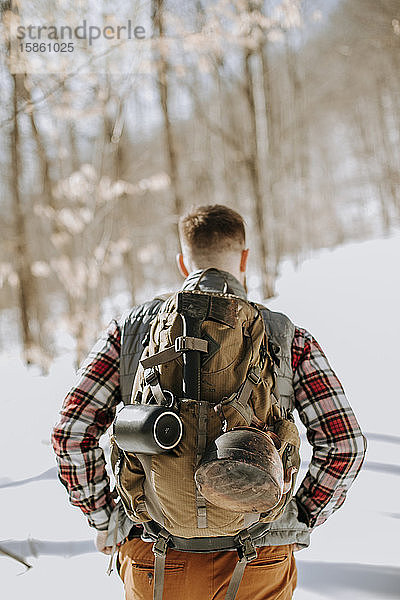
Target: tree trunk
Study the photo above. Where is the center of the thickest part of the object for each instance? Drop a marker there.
(388, 184)
(25, 278)
(264, 237)
(163, 91)
(299, 143)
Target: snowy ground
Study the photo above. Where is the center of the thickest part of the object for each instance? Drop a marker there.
(349, 299)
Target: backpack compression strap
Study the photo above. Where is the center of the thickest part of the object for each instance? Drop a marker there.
(247, 552)
(182, 344)
(239, 400)
(160, 554)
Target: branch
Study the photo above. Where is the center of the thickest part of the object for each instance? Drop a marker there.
(15, 557)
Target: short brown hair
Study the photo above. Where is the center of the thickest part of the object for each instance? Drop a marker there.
(212, 228)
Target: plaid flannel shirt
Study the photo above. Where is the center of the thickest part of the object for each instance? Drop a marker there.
(90, 407)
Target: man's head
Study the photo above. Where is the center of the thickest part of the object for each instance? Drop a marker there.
(213, 236)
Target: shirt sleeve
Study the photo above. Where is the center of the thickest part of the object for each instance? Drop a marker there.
(332, 429)
(87, 412)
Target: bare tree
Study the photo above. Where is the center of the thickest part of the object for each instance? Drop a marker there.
(22, 259)
(162, 69)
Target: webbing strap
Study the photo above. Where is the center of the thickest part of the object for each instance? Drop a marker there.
(247, 552)
(151, 378)
(186, 342)
(236, 579)
(183, 343)
(201, 507)
(160, 358)
(160, 554)
(275, 389)
(201, 510)
(240, 400)
(206, 544)
(253, 378)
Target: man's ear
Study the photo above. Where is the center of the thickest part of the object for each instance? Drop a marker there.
(181, 265)
(243, 260)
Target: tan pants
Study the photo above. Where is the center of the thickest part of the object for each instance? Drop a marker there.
(192, 576)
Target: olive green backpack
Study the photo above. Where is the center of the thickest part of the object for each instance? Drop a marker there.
(207, 356)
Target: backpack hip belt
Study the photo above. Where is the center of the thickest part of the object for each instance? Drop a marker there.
(204, 545)
(244, 543)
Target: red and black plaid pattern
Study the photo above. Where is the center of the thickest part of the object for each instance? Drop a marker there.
(90, 407)
(332, 430)
(87, 412)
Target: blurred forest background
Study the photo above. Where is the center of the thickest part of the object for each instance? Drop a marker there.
(287, 111)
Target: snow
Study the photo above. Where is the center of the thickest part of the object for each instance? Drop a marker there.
(348, 298)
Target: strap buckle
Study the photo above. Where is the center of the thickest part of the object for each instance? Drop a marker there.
(151, 376)
(255, 375)
(246, 548)
(184, 343)
(161, 545)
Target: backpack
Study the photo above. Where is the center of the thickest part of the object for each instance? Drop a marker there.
(207, 355)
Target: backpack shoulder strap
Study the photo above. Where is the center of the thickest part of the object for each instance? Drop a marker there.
(134, 328)
(280, 331)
